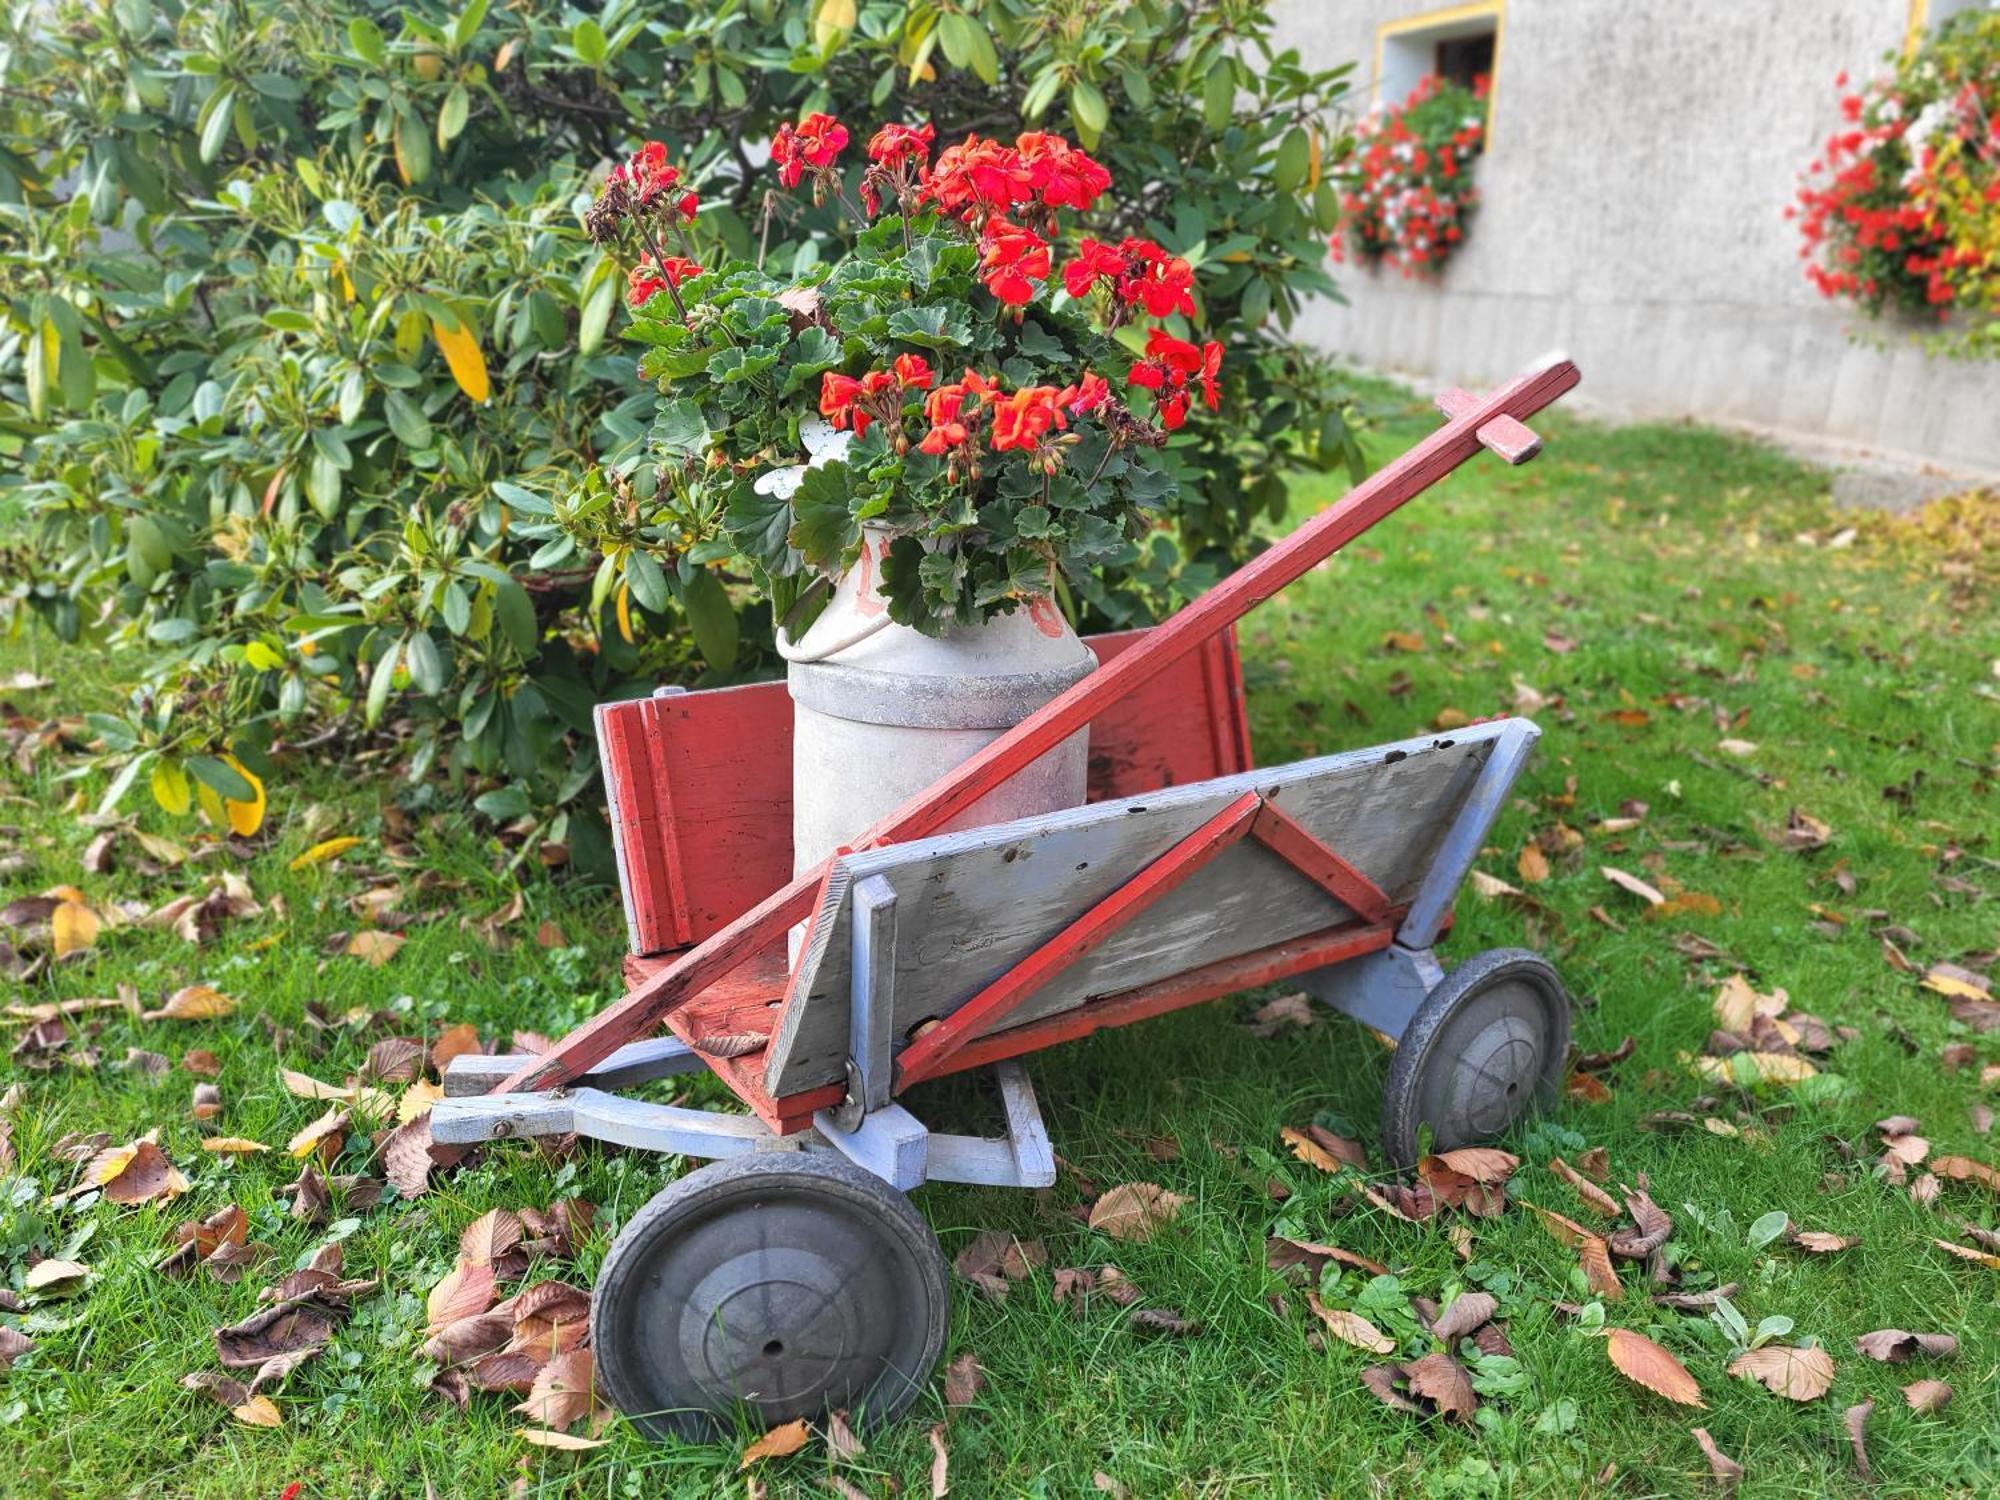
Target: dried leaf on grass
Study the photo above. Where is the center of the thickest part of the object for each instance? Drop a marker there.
(1927, 1395)
(194, 1002)
(466, 1291)
(1894, 1346)
(1965, 1169)
(1444, 1382)
(1646, 1363)
(137, 1172)
(940, 1463)
(1350, 1327)
(1727, 1471)
(1134, 1210)
(1591, 1251)
(1463, 1314)
(780, 1442)
(962, 1380)
(1585, 1189)
(1321, 1148)
(1856, 1418)
(1794, 1371)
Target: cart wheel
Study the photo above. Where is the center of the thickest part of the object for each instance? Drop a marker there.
(782, 1283)
(1485, 1044)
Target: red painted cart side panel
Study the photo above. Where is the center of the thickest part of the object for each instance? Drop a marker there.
(700, 784)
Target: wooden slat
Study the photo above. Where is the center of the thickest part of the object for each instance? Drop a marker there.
(1293, 842)
(1192, 987)
(1368, 503)
(989, 1007)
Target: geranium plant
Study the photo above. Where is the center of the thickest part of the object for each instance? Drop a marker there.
(1902, 207)
(1406, 182)
(987, 387)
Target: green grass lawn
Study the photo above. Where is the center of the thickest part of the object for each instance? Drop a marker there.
(1647, 593)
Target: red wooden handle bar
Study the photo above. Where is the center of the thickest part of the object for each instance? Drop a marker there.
(1366, 504)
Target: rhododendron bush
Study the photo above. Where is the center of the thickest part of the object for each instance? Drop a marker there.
(937, 378)
(297, 297)
(1902, 207)
(1406, 181)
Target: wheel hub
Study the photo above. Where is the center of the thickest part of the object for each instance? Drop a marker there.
(768, 1326)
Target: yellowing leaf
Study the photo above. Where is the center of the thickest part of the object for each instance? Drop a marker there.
(624, 598)
(308, 1087)
(460, 348)
(170, 788)
(73, 927)
(374, 946)
(55, 1275)
(1641, 1360)
(417, 1098)
(323, 851)
(541, 1437)
(232, 1145)
(194, 1002)
(323, 1135)
(258, 1411)
(241, 818)
(1747, 1068)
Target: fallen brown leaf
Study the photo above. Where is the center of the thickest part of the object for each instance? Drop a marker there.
(962, 1380)
(1646, 1363)
(1856, 1419)
(1927, 1395)
(1134, 1210)
(1727, 1471)
(1444, 1382)
(1463, 1314)
(780, 1442)
(1793, 1371)
(1350, 1327)
(1894, 1346)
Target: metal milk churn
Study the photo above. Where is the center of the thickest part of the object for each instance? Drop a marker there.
(880, 711)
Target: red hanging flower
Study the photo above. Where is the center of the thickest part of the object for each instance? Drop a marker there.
(839, 396)
(979, 177)
(650, 276)
(1091, 394)
(1011, 260)
(647, 175)
(1094, 262)
(1062, 175)
(914, 372)
(1211, 366)
(816, 142)
(1022, 419)
(1162, 283)
(894, 146)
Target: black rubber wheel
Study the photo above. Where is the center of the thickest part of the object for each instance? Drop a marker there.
(779, 1284)
(1485, 1046)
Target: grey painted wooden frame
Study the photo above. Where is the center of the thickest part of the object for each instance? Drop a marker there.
(969, 905)
(889, 1141)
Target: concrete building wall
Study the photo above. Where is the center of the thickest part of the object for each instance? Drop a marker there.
(1641, 155)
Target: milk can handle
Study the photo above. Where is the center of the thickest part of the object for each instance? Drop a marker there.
(853, 637)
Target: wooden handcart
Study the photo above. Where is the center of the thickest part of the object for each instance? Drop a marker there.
(793, 1276)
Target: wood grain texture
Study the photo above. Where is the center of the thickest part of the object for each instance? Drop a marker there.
(972, 905)
(995, 1004)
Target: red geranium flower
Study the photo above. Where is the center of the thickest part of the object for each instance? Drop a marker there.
(1095, 261)
(838, 395)
(650, 276)
(1021, 420)
(914, 371)
(893, 145)
(816, 142)
(1063, 175)
(1091, 394)
(978, 177)
(1011, 260)
(647, 175)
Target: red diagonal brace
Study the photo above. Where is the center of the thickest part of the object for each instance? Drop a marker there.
(929, 1053)
(1294, 843)
(1371, 501)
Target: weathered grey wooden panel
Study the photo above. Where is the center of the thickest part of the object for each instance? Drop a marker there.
(972, 904)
